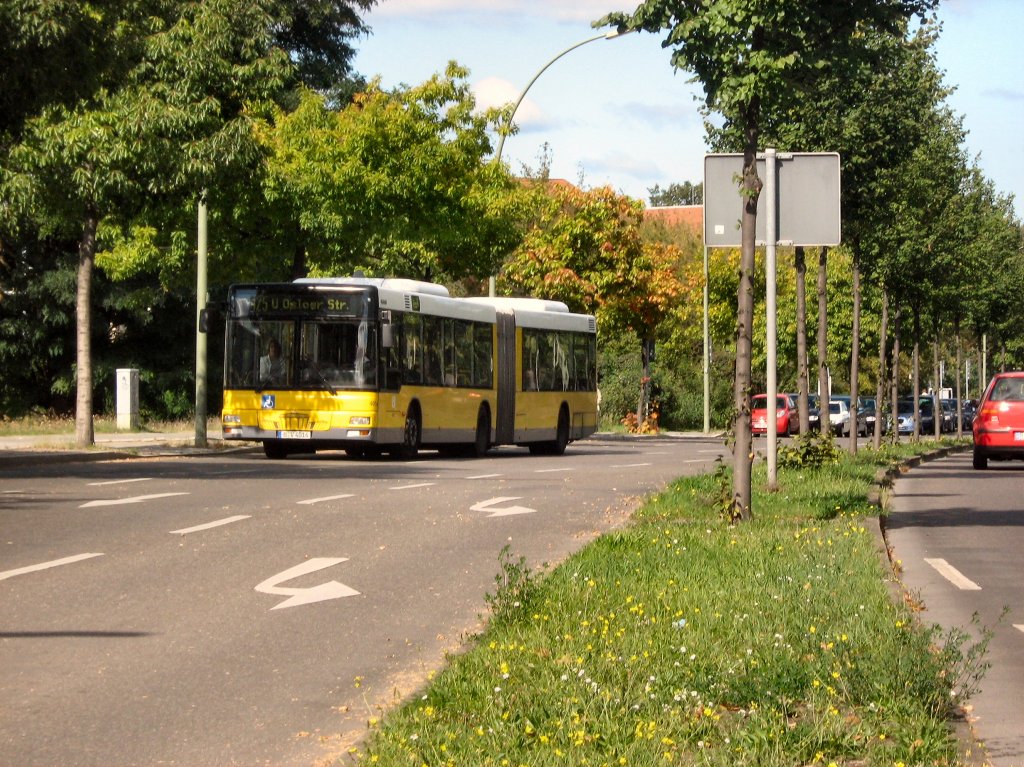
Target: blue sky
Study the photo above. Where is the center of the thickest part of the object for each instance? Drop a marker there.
(615, 112)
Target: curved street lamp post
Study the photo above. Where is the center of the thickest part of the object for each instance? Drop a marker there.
(508, 125)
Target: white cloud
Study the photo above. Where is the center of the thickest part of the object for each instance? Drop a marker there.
(496, 92)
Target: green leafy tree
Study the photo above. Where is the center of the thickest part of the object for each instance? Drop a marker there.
(394, 183)
(686, 193)
(584, 248)
(755, 61)
(154, 124)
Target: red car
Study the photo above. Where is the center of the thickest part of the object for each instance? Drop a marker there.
(999, 424)
(787, 419)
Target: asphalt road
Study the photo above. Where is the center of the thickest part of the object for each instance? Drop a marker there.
(959, 535)
(227, 609)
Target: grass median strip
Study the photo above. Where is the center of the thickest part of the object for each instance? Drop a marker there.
(681, 639)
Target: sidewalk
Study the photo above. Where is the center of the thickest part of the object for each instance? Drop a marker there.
(28, 450)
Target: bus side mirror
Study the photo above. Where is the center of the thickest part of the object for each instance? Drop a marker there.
(208, 315)
(388, 336)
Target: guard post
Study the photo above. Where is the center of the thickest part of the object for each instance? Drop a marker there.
(127, 399)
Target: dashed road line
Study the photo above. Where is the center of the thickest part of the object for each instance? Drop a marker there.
(120, 481)
(46, 565)
(552, 471)
(133, 499)
(628, 465)
(954, 576)
(209, 525)
(311, 501)
(484, 476)
(412, 487)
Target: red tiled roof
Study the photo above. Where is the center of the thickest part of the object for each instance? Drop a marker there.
(678, 215)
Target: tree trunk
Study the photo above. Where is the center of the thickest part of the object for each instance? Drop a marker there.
(84, 434)
(937, 384)
(743, 454)
(916, 361)
(823, 389)
(880, 383)
(959, 392)
(801, 340)
(897, 326)
(855, 360)
(645, 383)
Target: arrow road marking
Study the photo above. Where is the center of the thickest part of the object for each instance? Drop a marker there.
(122, 501)
(508, 511)
(954, 576)
(305, 596)
(46, 565)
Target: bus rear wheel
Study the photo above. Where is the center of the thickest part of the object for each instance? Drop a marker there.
(482, 443)
(561, 440)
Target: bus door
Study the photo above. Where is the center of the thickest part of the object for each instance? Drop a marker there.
(506, 417)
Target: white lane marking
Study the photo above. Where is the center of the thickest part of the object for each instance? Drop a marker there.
(209, 525)
(954, 576)
(46, 565)
(305, 596)
(134, 499)
(551, 471)
(484, 476)
(311, 501)
(411, 487)
(507, 511)
(120, 481)
(627, 465)
(1019, 626)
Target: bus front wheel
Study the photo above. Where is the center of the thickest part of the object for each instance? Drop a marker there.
(410, 436)
(274, 450)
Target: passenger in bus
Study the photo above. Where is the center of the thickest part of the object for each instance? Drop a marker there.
(272, 367)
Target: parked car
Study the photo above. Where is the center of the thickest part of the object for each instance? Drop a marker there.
(813, 412)
(948, 415)
(869, 415)
(787, 419)
(856, 415)
(999, 424)
(905, 416)
(968, 412)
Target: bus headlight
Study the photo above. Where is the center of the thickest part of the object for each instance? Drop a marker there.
(359, 420)
(229, 418)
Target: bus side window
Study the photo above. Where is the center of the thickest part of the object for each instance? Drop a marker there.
(412, 349)
(433, 330)
(450, 375)
(483, 355)
(463, 353)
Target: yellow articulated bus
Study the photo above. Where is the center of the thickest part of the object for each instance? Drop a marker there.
(372, 365)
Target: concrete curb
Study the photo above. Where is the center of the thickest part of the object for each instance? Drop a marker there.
(971, 750)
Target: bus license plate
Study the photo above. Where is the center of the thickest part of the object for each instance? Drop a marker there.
(294, 435)
(1018, 436)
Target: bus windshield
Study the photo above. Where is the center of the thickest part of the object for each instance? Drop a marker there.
(296, 341)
